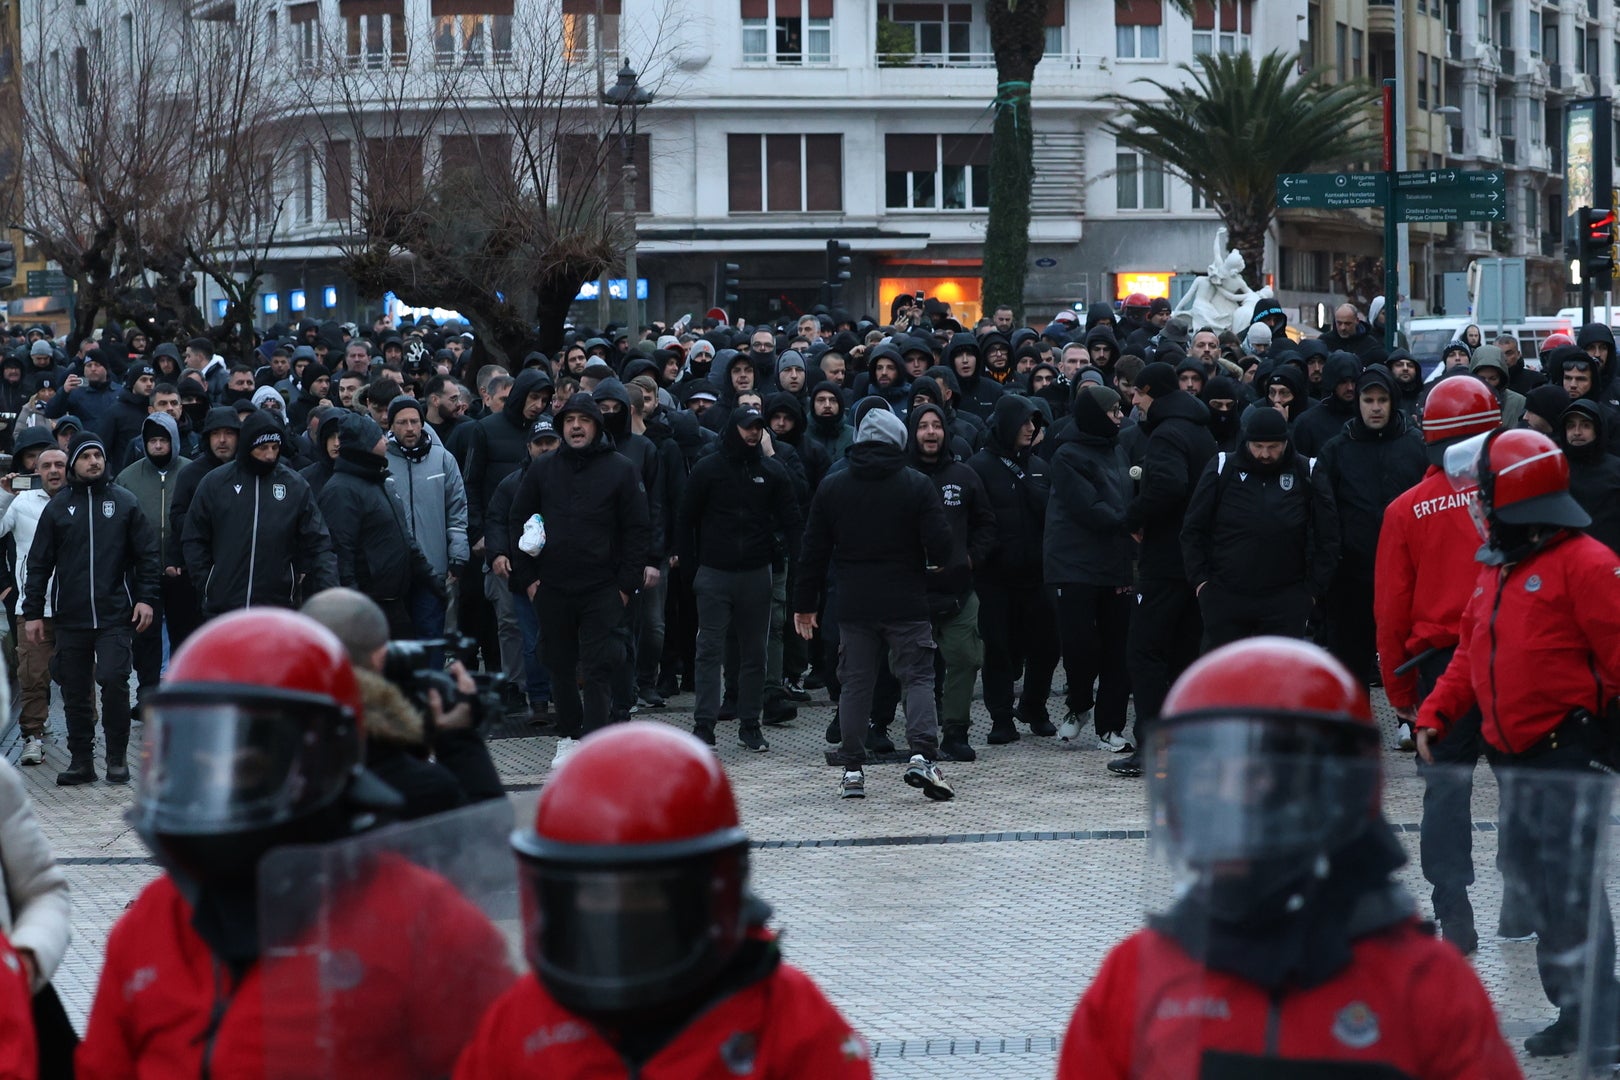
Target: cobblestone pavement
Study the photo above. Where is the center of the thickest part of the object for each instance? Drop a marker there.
(962, 930)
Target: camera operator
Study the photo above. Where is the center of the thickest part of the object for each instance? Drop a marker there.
(399, 739)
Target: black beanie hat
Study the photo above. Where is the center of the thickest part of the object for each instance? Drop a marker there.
(400, 404)
(1157, 379)
(81, 442)
(312, 371)
(1262, 423)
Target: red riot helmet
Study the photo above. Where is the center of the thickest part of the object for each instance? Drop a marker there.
(1138, 301)
(1263, 764)
(253, 737)
(635, 874)
(1523, 480)
(1557, 340)
(1456, 409)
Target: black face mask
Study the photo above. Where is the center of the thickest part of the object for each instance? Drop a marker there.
(1222, 425)
(195, 412)
(161, 461)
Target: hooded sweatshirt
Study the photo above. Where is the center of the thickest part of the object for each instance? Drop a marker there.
(1018, 484)
(1366, 470)
(498, 446)
(1315, 426)
(1594, 474)
(1085, 540)
(967, 510)
(152, 482)
(979, 393)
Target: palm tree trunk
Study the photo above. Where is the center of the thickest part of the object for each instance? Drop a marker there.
(1018, 39)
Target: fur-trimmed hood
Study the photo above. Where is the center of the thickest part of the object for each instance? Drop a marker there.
(389, 716)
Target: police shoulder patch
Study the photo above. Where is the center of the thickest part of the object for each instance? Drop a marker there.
(1533, 584)
(1356, 1026)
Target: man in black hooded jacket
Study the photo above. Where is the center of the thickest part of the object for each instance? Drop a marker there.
(253, 532)
(1373, 460)
(182, 610)
(371, 539)
(1594, 473)
(499, 444)
(1015, 614)
(979, 392)
(122, 424)
(597, 535)
(1322, 421)
(1166, 625)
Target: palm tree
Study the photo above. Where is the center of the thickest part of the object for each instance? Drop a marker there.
(1235, 126)
(1018, 40)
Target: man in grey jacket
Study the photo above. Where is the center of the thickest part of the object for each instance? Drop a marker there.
(428, 483)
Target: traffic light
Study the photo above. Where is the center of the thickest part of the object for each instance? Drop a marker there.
(730, 284)
(838, 263)
(1597, 238)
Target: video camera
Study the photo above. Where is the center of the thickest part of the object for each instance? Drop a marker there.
(409, 666)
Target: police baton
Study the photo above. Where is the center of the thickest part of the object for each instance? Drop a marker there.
(1418, 659)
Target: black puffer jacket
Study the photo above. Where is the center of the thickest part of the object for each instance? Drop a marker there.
(1326, 419)
(250, 538)
(879, 525)
(1018, 485)
(370, 537)
(498, 445)
(967, 509)
(104, 554)
(643, 454)
(737, 502)
(1178, 446)
(595, 511)
(1365, 470)
(1086, 542)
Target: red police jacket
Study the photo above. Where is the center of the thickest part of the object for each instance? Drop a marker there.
(780, 1028)
(1539, 639)
(1407, 1002)
(19, 1056)
(1423, 577)
(413, 966)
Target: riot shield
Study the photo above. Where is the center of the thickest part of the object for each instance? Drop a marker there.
(379, 954)
(1275, 946)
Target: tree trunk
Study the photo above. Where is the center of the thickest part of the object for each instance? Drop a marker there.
(554, 294)
(1018, 39)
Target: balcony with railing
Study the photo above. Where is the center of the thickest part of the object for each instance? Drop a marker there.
(970, 74)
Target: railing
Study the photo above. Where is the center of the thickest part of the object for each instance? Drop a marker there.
(1076, 61)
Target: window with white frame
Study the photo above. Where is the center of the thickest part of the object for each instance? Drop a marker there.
(939, 33)
(1138, 30)
(304, 25)
(792, 173)
(473, 40)
(1056, 17)
(374, 32)
(1138, 181)
(579, 29)
(1484, 117)
(1200, 200)
(1236, 21)
(936, 172)
(787, 31)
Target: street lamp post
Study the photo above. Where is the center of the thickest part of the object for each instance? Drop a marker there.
(624, 94)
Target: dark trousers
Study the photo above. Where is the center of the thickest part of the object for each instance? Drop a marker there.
(1019, 631)
(148, 650)
(910, 648)
(1093, 622)
(181, 608)
(622, 687)
(1231, 614)
(84, 660)
(1164, 637)
(1555, 823)
(1348, 630)
(680, 622)
(579, 638)
(734, 607)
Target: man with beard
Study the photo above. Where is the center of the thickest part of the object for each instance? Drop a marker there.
(1520, 378)
(1407, 375)
(1326, 419)
(151, 479)
(1594, 473)
(124, 421)
(1375, 459)
(313, 389)
(89, 396)
(443, 415)
(998, 360)
(734, 373)
(886, 379)
(597, 537)
(93, 537)
(253, 533)
(1261, 536)
(220, 432)
(427, 482)
(953, 607)
(1015, 614)
(1087, 560)
(827, 428)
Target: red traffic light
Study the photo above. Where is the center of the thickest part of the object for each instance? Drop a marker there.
(1600, 224)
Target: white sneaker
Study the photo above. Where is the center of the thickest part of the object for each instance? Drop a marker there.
(565, 750)
(33, 753)
(853, 785)
(1115, 743)
(1403, 736)
(1073, 724)
(924, 774)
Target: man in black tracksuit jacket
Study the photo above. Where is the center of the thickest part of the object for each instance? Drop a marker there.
(1377, 457)
(370, 538)
(253, 531)
(597, 539)
(737, 501)
(1016, 619)
(1165, 627)
(1261, 538)
(104, 553)
(953, 607)
(182, 604)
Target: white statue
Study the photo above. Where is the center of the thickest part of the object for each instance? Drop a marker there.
(1222, 299)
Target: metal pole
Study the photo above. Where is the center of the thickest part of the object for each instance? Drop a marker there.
(1501, 294)
(1403, 231)
(632, 302)
(1392, 281)
(604, 311)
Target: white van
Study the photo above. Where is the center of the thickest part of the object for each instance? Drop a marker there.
(1430, 334)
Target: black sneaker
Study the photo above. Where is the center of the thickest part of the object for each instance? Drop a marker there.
(1003, 732)
(750, 736)
(815, 681)
(704, 732)
(835, 731)
(1039, 725)
(795, 690)
(1129, 765)
(779, 712)
(1561, 1037)
(878, 741)
(668, 686)
(953, 746)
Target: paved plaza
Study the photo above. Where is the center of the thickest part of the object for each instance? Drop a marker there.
(961, 931)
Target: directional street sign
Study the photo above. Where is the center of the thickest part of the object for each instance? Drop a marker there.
(1444, 195)
(1330, 191)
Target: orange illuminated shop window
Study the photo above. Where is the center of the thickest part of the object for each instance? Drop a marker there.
(964, 294)
(1148, 284)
